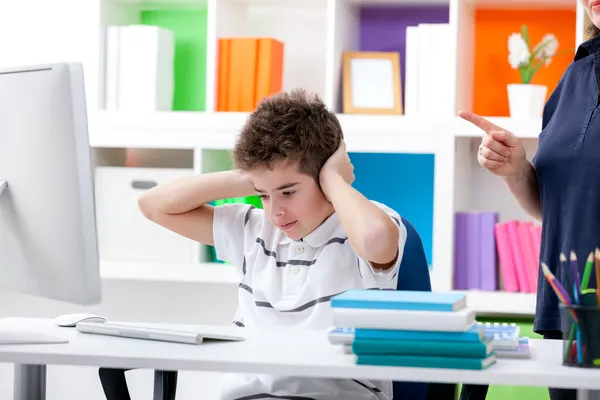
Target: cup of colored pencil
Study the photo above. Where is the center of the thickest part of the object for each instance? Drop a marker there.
(580, 310)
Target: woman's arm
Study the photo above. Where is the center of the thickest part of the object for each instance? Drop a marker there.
(503, 154)
(181, 206)
(524, 188)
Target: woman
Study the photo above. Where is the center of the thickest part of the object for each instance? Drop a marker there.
(561, 187)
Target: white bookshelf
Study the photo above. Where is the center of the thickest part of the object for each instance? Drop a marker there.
(315, 32)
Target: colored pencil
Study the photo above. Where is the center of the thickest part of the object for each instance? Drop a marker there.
(587, 272)
(574, 268)
(559, 290)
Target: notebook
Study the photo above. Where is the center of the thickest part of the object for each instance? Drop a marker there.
(400, 300)
(503, 335)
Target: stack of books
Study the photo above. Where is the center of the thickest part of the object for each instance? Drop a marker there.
(249, 70)
(411, 329)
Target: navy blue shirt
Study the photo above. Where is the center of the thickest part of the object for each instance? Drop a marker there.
(567, 165)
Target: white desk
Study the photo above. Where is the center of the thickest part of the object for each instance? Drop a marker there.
(290, 353)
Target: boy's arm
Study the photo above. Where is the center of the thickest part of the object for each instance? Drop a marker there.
(180, 206)
(370, 230)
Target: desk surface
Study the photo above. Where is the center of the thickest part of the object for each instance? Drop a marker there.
(284, 352)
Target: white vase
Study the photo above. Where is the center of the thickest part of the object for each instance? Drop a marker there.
(526, 100)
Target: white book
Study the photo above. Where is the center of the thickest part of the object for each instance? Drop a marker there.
(145, 64)
(441, 321)
(426, 58)
(442, 81)
(411, 72)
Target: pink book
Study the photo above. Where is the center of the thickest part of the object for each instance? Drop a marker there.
(528, 250)
(507, 265)
(518, 256)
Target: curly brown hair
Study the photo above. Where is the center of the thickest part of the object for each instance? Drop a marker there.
(294, 126)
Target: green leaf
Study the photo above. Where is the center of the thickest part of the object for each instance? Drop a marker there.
(540, 48)
(525, 34)
(525, 76)
(534, 69)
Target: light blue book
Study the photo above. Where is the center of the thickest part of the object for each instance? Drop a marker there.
(400, 300)
(426, 361)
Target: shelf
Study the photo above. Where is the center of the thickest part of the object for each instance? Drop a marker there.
(502, 303)
(165, 130)
(218, 131)
(209, 273)
(525, 129)
(190, 130)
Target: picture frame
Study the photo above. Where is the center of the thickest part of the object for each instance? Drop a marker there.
(371, 83)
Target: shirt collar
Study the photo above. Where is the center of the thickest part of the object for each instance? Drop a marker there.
(591, 46)
(320, 235)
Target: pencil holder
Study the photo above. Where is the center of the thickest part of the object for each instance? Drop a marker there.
(581, 335)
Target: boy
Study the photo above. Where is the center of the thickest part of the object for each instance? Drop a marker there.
(316, 236)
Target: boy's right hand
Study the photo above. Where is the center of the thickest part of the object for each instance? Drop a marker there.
(500, 152)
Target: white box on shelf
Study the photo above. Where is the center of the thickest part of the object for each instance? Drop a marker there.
(139, 68)
(124, 234)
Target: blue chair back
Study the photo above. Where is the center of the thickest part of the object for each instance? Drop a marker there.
(412, 275)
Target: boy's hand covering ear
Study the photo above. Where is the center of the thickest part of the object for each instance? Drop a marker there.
(338, 164)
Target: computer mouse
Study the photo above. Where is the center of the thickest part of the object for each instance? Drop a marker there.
(71, 320)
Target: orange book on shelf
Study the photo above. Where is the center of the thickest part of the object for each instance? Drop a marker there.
(223, 71)
(269, 74)
(242, 74)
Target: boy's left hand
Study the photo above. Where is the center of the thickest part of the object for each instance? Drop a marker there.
(338, 164)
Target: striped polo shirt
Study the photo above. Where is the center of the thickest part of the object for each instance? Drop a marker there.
(289, 283)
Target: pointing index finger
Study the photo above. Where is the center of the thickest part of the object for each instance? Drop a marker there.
(479, 121)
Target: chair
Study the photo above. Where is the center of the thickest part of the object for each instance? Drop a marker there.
(412, 275)
(115, 386)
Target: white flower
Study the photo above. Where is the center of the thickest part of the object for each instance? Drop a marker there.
(518, 51)
(550, 44)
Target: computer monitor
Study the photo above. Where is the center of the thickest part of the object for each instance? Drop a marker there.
(48, 244)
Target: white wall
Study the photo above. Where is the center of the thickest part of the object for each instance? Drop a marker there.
(129, 301)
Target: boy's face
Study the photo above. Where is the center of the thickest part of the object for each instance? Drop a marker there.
(292, 200)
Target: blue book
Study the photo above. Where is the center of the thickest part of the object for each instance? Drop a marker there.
(426, 361)
(422, 348)
(400, 300)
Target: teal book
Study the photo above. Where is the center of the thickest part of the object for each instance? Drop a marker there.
(422, 348)
(400, 300)
(475, 334)
(426, 361)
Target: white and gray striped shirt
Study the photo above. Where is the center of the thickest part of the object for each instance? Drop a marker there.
(288, 283)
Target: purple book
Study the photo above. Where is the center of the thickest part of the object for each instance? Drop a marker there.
(460, 251)
(473, 250)
(488, 257)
